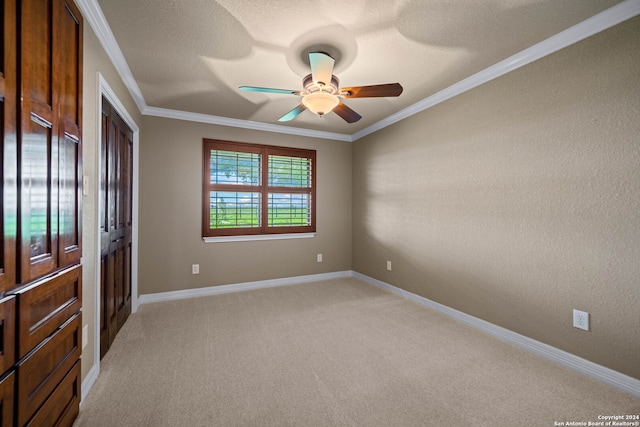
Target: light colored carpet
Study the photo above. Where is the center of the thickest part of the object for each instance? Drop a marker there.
(331, 353)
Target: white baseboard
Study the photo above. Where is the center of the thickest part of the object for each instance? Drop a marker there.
(583, 366)
(88, 382)
(238, 287)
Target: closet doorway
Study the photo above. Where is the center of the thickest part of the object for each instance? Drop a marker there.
(116, 224)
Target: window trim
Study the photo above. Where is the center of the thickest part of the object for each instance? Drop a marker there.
(245, 233)
(258, 237)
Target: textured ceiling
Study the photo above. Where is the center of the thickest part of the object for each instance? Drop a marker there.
(192, 55)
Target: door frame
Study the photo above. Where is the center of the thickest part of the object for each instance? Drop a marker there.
(105, 90)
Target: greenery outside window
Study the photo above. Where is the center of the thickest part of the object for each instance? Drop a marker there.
(252, 189)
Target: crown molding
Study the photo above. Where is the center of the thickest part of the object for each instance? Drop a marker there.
(591, 26)
(244, 124)
(621, 12)
(92, 14)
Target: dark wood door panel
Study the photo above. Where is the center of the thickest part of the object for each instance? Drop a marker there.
(104, 322)
(50, 165)
(69, 68)
(102, 215)
(112, 175)
(119, 272)
(63, 406)
(70, 195)
(116, 221)
(7, 333)
(110, 282)
(39, 139)
(128, 253)
(112, 286)
(45, 305)
(8, 204)
(7, 399)
(69, 62)
(42, 370)
(37, 41)
(39, 195)
(8, 149)
(124, 281)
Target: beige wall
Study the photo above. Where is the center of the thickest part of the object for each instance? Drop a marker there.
(514, 202)
(170, 213)
(519, 200)
(95, 60)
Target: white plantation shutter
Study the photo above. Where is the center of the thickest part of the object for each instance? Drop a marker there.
(251, 189)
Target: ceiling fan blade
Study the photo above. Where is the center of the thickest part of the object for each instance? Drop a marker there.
(390, 89)
(269, 90)
(292, 114)
(321, 67)
(346, 113)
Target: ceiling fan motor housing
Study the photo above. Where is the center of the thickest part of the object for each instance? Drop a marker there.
(311, 87)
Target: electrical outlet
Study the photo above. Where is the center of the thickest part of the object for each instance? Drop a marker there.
(319, 257)
(85, 336)
(195, 269)
(580, 319)
(389, 265)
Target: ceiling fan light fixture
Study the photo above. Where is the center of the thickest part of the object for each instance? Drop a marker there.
(321, 94)
(320, 103)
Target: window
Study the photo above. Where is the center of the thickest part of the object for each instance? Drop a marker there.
(251, 189)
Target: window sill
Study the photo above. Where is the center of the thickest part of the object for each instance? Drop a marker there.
(224, 239)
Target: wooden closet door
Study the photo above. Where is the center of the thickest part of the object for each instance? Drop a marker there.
(50, 151)
(8, 149)
(125, 222)
(116, 224)
(69, 66)
(39, 140)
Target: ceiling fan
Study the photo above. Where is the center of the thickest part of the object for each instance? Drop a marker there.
(322, 93)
